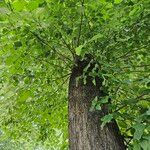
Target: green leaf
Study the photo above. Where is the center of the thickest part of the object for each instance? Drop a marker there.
(135, 11)
(117, 1)
(104, 100)
(19, 5)
(94, 81)
(109, 5)
(148, 112)
(122, 124)
(32, 5)
(84, 80)
(98, 107)
(106, 119)
(144, 144)
(94, 102)
(79, 50)
(136, 147)
(96, 37)
(139, 129)
(24, 95)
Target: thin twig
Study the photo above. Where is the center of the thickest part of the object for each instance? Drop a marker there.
(69, 47)
(126, 54)
(47, 44)
(59, 87)
(124, 105)
(66, 75)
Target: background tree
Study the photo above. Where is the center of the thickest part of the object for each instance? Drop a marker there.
(101, 44)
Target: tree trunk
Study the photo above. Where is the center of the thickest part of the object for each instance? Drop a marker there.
(85, 132)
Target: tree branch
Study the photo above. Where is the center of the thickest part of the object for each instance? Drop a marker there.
(124, 105)
(47, 44)
(66, 75)
(126, 54)
(68, 46)
(60, 87)
(80, 26)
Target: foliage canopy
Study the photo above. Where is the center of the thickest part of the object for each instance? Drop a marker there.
(40, 41)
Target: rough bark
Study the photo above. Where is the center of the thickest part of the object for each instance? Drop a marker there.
(85, 132)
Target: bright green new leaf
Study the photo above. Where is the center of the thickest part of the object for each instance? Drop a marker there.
(32, 5)
(117, 1)
(19, 5)
(98, 36)
(79, 50)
